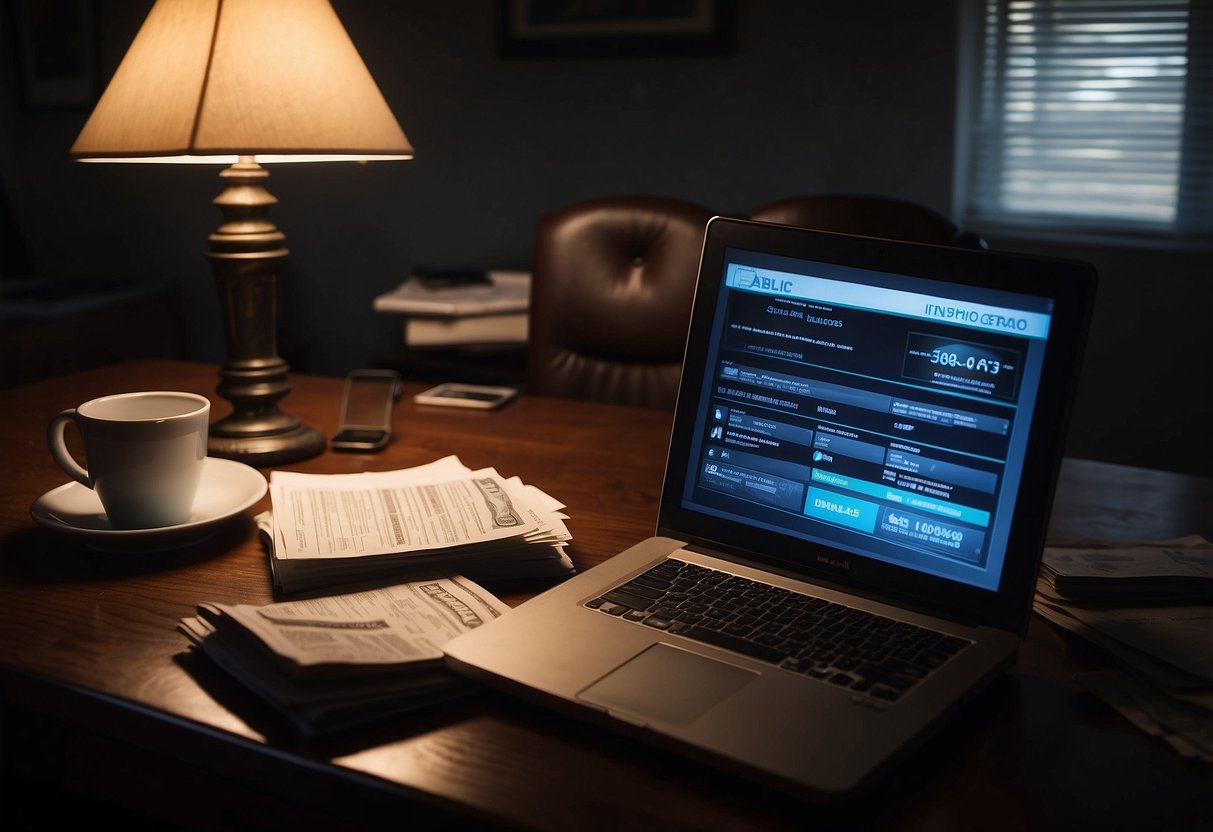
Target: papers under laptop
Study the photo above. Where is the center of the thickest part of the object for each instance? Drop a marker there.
(858, 486)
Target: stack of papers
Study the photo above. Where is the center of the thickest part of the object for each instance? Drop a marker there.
(492, 311)
(500, 293)
(331, 663)
(336, 532)
(1149, 605)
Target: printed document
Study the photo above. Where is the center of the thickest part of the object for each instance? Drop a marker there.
(329, 531)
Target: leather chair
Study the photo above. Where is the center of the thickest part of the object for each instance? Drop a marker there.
(869, 216)
(613, 280)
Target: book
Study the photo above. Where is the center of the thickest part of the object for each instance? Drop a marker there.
(333, 532)
(331, 663)
(1169, 571)
(507, 328)
(503, 292)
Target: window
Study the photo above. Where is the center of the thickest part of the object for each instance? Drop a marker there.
(1087, 115)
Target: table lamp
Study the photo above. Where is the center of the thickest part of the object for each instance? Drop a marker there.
(239, 83)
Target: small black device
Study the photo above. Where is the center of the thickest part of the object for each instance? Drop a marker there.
(452, 278)
(366, 410)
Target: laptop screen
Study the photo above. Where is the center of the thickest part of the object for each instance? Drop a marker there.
(877, 412)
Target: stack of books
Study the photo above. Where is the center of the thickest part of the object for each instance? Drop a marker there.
(332, 663)
(1149, 606)
(464, 308)
(336, 532)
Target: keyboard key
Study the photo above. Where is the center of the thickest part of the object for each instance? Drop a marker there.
(628, 599)
(740, 645)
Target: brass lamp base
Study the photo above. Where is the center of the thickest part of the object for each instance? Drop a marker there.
(278, 449)
(246, 252)
(257, 432)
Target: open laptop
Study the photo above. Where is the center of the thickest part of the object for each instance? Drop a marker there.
(858, 486)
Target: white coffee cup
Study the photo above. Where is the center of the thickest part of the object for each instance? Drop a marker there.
(145, 453)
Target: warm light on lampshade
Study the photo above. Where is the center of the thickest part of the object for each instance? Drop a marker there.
(210, 80)
(241, 82)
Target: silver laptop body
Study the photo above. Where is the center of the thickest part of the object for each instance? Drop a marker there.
(871, 428)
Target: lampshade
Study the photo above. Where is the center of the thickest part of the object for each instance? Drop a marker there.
(212, 80)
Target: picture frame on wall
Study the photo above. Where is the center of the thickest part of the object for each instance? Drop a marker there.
(566, 29)
(57, 56)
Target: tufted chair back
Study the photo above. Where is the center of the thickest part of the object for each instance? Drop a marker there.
(612, 286)
(870, 216)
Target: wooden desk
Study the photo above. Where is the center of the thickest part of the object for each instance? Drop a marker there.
(99, 692)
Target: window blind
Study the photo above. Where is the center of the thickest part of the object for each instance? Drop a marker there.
(1093, 112)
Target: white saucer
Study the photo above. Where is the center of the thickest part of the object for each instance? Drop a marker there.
(227, 488)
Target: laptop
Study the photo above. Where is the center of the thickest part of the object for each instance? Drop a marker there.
(858, 486)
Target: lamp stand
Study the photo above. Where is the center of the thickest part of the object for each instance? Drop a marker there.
(246, 252)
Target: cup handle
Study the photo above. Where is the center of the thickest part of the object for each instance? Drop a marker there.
(54, 440)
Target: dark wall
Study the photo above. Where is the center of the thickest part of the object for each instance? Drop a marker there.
(818, 97)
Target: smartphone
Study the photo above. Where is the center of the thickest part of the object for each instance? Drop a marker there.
(366, 410)
(480, 396)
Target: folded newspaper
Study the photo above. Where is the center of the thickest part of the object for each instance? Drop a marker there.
(330, 663)
(338, 532)
(1147, 604)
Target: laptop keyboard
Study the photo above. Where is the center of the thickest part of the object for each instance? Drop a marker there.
(864, 652)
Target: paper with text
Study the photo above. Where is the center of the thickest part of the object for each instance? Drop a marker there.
(326, 516)
(399, 624)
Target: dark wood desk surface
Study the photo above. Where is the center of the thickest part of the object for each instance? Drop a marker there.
(99, 690)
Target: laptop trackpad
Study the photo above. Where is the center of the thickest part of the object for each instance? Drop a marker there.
(667, 683)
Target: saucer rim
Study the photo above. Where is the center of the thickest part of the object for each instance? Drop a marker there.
(213, 468)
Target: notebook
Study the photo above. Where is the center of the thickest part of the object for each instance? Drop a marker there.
(858, 485)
